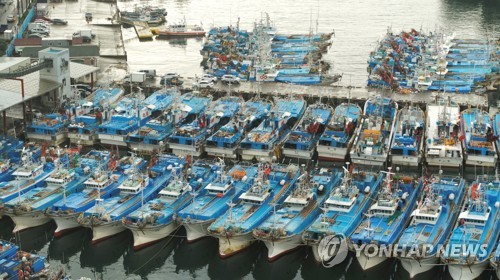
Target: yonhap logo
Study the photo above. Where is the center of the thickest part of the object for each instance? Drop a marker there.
(332, 250)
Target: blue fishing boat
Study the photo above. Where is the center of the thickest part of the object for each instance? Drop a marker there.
(443, 147)
(303, 37)
(373, 140)
(226, 140)
(9, 148)
(299, 79)
(387, 217)
(215, 199)
(28, 175)
(282, 231)
(496, 128)
(218, 114)
(407, 145)
(474, 238)
(102, 183)
(478, 143)
(495, 261)
(339, 133)
(50, 128)
(130, 114)
(234, 228)
(105, 218)
(83, 126)
(152, 137)
(10, 158)
(265, 140)
(16, 264)
(343, 210)
(431, 224)
(303, 139)
(190, 128)
(301, 70)
(155, 220)
(27, 210)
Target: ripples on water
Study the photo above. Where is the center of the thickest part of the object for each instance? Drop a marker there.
(358, 25)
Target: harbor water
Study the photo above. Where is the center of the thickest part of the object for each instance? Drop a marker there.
(358, 25)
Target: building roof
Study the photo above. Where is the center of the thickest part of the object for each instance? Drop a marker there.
(10, 90)
(78, 70)
(7, 62)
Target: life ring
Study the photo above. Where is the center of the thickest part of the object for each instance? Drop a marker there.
(263, 77)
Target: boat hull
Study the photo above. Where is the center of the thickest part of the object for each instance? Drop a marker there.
(114, 140)
(65, 224)
(82, 139)
(445, 162)
(52, 139)
(258, 154)
(196, 230)
(105, 230)
(412, 161)
(234, 244)
(371, 160)
(150, 234)
(301, 154)
(329, 153)
(466, 272)
(28, 220)
(280, 247)
(496, 267)
(222, 152)
(185, 150)
(369, 262)
(489, 161)
(414, 267)
(181, 34)
(147, 148)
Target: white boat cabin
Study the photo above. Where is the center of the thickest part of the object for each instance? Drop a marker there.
(256, 195)
(133, 185)
(60, 177)
(218, 188)
(27, 173)
(98, 181)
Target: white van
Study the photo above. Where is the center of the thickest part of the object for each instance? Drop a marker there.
(151, 73)
(39, 31)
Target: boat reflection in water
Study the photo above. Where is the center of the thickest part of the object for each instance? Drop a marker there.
(238, 266)
(34, 239)
(6, 227)
(63, 248)
(150, 258)
(285, 267)
(105, 253)
(194, 256)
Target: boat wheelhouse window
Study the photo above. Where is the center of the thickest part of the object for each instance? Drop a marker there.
(170, 195)
(474, 221)
(250, 201)
(426, 218)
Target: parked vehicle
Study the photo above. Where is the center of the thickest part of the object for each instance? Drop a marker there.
(86, 34)
(150, 74)
(11, 18)
(136, 77)
(230, 79)
(39, 31)
(37, 35)
(204, 84)
(59, 21)
(209, 77)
